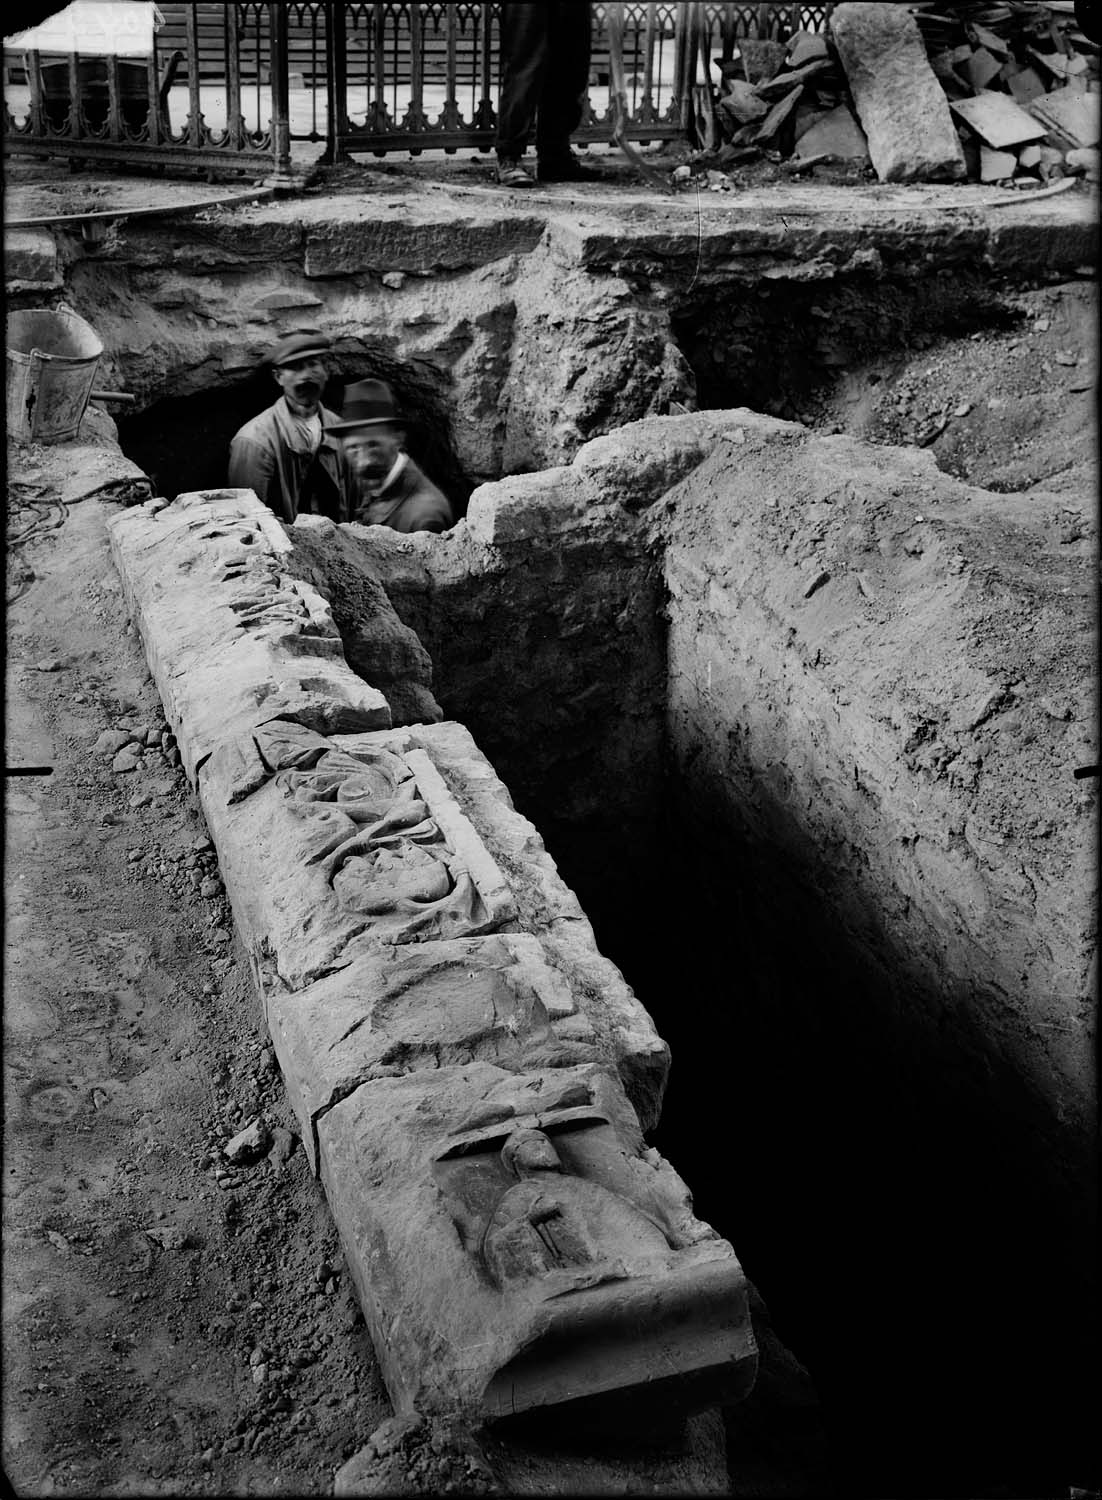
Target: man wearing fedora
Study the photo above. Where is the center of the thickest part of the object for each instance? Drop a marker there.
(287, 454)
(386, 486)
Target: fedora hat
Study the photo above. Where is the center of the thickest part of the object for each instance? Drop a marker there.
(298, 345)
(367, 403)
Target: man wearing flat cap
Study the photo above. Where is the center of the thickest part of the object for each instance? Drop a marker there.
(386, 486)
(286, 454)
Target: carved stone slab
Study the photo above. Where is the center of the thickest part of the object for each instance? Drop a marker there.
(232, 638)
(546, 905)
(424, 1006)
(338, 852)
(516, 1246)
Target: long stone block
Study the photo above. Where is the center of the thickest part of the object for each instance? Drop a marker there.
(465, 1066)
(339, 851)
(233, 639)
(898, 99)
(494, 999)
(517, 1247)
(421, 242)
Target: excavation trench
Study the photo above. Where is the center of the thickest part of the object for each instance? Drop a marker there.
(852, 1099)
(867, 1096)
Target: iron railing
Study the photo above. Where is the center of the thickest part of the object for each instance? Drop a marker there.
(424, 77)
(162, 110)
(230, 88)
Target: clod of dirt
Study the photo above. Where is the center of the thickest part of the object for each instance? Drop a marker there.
(248, 1144)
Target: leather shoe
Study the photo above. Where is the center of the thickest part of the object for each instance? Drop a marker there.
(511, 173)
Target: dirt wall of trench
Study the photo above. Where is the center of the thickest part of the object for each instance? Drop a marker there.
(885, 679)
(881, 682)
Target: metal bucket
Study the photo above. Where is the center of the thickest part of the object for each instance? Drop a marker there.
(52, 363)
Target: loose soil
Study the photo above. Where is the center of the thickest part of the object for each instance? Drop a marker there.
(165, 1331)
(1008, 408)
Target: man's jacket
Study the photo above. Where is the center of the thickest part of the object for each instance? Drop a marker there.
(409, 502)
(271, 456)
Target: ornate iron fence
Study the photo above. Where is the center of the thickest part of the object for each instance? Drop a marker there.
(109, 109)
(229, 88)
(419, 77)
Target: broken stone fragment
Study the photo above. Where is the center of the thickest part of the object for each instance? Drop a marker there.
(997, 120)
(126, 760)
(772, 88)
(111, 741)
(1071, 117)
(761, 59)
(982, 67)
(1086, 159)
(778, 115)
(996, 165)
(805, 47)
(835, 134)
(248, 1144)
(898, 99)
(1024, 84)
(742, 102)
(283, 1147)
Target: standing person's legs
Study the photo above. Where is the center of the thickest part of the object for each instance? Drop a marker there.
(524, 58)
(565, 79)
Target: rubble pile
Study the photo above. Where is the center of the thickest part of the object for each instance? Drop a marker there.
(1023, 86)
(1004, 94)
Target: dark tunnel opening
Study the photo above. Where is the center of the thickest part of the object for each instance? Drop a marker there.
(182, 442)
(777, 344)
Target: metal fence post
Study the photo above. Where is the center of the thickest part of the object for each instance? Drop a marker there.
(281, 97)
(336, 84)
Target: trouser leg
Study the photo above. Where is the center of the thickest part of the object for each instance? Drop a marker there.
(565, 79)
(523, 67)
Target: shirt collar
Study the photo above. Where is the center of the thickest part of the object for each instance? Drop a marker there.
(395, 469)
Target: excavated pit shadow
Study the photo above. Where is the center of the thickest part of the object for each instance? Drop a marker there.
(882, 1187)
(889, 1185)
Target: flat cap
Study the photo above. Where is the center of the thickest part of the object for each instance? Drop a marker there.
(297, 345)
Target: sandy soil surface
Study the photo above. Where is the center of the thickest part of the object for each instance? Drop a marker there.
(170, 1326)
